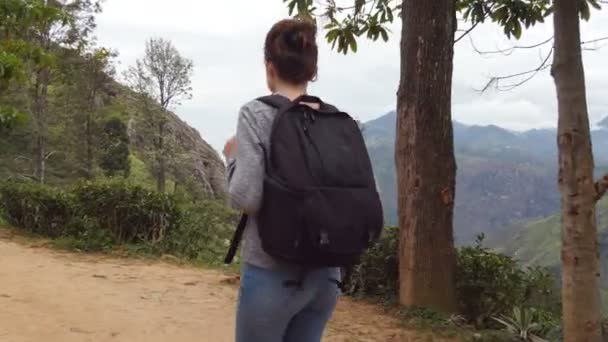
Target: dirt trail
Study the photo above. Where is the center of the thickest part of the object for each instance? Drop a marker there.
(60, 297)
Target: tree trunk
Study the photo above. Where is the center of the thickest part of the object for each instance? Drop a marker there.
(40, 123)
(424, 155)
(89, 134)
(161, 180)
(89, 147)
(580, 279)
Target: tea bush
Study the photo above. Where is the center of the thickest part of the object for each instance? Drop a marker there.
(84, 235)
(377, 275)
(98, 216)
(130, 214)
(203, 232)
(36, 208)
(487, 283)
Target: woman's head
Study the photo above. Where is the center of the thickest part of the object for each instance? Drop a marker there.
(291, 53)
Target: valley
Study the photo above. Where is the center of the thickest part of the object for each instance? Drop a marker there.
(504, 178)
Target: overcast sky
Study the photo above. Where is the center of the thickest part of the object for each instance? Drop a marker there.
(225, 38)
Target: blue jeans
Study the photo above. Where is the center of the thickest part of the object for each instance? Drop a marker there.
(270, 309)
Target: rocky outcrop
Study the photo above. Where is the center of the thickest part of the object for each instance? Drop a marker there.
(200, 161)
(191, 162)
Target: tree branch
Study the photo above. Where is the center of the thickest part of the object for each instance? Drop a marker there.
(341, 9)
(466, 32)
(530, 75)
(595, 48)
(510, 50)
(600, 187)
(50, 154)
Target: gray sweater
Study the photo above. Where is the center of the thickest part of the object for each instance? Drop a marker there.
(246, 176)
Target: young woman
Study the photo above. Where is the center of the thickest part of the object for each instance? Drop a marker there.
(268, 310)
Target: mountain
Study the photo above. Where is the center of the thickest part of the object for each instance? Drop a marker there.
(538, 243)
(503, 177)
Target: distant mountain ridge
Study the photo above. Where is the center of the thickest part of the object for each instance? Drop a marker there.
(538, 243)
(504, 177)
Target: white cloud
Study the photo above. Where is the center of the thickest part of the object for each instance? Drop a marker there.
(225, 38)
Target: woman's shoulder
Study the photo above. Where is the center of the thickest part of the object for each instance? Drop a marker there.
(258, 116)
(256, 106)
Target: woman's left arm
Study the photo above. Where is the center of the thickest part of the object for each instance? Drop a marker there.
(246, 165)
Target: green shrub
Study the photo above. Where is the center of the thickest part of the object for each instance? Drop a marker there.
(377, 275)
(84, 235)
(115, 149)
(36, 208)
(487, 283)
(203, 233)
(541, 291)
(131, 214)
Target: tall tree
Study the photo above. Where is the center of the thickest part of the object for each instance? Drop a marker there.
(58, 24)
(115, 149)
(14, 52)
(163, 76)
(426, 187)
(426, 184)
(580, 255)
(95, 74)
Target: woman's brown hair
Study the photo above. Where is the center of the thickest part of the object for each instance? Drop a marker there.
(292, 49)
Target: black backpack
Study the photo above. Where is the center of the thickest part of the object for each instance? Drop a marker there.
(320, 206)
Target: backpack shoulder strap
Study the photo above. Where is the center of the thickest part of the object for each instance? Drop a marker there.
(236, 240)
(282, 103)
(275, 101)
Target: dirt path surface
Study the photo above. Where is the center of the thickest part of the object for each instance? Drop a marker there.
(60, 297)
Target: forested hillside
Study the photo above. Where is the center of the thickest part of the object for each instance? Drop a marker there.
(64, 116)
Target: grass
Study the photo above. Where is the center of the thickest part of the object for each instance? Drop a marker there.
(144, 251)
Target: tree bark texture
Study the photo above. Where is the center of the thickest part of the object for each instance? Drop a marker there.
(90, 112)
(40, 112)
(580, 261)
(162, 172)
(424, 156)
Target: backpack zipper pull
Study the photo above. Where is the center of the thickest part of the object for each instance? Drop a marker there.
(305, 123)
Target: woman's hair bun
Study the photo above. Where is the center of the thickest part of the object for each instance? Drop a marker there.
(292, 48)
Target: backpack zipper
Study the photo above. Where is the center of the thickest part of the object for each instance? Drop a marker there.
(310, 118)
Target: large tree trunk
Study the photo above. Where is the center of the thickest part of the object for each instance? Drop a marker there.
(40, 123)
(580, 280)
(424, 154)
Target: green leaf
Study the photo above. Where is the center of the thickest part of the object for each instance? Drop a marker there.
(291, 6)
(352, 42)
(595, 4)
(332, 35)
(384, 34)
(500, 14)
(340, 43)
(389, 13)
(584, 10)
(359, 6)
